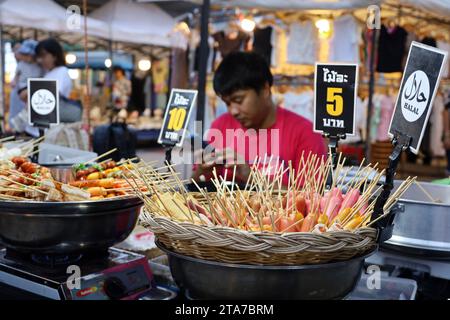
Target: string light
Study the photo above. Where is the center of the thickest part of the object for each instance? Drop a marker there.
(248, 25)
(144, 64)
(108, 63)
(323, 25)
(71, 58)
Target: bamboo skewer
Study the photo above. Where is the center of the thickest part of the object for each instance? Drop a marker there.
(427, 193)
(101, 156)
(7, 139)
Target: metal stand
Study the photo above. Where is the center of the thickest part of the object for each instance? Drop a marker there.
(41, 128)
(168, 149)
(333, 145)
(385, 225)
(333, 141)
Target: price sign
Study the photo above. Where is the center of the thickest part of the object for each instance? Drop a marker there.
(43, 102)
(177, 116)
(417, 91)
(334, 100)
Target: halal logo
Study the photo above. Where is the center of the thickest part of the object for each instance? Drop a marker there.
(43, 102)
(415, 96)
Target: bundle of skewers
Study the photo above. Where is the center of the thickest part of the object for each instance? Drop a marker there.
(10, 148)
(104, 179)
(318, 217)
(23, 180)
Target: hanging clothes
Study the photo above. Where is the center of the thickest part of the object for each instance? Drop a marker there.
(429, 41)
(302, 43)
(300, 103)
(279, 45)
(344, 44)
(376, 117)
(386, 110)
(360, 121)
(409, 39)
(446, 47)
(391, 48)
(179, 67)
(437, 127)
(262, 42)
(368, 44)
(227, 43)
(137, 98)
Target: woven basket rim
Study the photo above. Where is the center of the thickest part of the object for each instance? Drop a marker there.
(260, 266)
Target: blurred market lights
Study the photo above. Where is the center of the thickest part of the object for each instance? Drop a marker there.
(74, 74)
(323, 25)
(248, 25)
(71, 58)
(108, 63)
(144, 64)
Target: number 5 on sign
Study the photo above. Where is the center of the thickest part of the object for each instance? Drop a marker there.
(335, 105)
(177, 117)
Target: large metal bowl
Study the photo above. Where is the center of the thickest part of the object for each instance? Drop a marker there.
(203, 279)
(420, 226)
(67, 227)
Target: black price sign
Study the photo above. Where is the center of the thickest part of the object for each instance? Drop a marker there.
(43, 102)
(177, 116)
(417, 91)
(334, 99)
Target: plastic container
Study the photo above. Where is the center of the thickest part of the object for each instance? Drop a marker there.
(51, 154)
(391, 288)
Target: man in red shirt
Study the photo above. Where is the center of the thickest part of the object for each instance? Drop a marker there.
(254, 126)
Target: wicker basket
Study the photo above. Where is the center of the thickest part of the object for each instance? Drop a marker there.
(267, 248)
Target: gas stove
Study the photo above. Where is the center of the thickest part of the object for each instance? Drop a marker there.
(112, 274)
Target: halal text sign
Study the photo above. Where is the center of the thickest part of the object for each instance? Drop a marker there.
(43, 102)
(177, 116)
(334, 99)
(417, 91)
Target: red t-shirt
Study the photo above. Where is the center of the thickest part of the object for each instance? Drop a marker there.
(284, 141)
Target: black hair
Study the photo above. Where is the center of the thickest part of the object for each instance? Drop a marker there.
(53, 47)
(240, 71)
(118, 68)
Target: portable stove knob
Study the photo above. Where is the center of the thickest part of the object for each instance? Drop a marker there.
(114, 288)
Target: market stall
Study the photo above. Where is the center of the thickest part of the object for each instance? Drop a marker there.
(317, 223)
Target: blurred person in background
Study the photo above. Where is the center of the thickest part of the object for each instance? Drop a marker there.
(121, 89)
(26, 68)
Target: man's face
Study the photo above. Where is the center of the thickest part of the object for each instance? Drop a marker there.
(248, 107)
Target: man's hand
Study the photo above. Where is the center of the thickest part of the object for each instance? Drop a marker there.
(226, 158)
(230, 159)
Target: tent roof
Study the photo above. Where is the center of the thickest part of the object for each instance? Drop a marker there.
(144, 23)
(439, 8)
(47, 15)
(298, 4)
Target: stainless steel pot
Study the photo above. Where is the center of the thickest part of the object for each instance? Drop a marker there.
(421, 226)
(203, 279)
(67, 227)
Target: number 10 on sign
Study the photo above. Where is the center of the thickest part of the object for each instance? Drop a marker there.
(176, 120)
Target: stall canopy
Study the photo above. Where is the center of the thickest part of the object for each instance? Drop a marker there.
(436, 7)
(298, 4)
(46, 15)
(143, 23)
